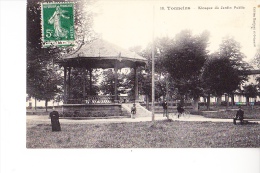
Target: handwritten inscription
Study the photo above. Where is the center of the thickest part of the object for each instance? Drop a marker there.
(253, 27)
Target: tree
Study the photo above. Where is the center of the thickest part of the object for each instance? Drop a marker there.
(107, 85)
(250, 91)
(224, 71)
(230, 49)
(79, 77)
(183, 60)
(145, 73)
(220, 77)
(161, 75)
(146, 88)
(46, 86)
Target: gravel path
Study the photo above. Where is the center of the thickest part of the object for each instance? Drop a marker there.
(35, 119)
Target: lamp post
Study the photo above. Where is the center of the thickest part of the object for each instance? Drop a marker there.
(153, 94)
(146, 90)
(167, 93)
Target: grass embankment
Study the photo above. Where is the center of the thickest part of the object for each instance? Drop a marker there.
(162, 134)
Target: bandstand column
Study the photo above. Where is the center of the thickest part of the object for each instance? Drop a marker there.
(136, 83)
(90, 81)
(84, 83)
(65, 84)
(116, 81)
(69, 83)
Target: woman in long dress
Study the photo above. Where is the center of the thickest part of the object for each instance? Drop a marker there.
(55, 20)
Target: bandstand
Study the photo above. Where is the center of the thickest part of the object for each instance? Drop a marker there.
(94, 55)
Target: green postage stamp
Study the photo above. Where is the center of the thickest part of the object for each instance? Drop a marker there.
(57, 24)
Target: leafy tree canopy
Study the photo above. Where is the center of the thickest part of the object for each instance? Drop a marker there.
(250, 91)
(224, 71)
(184, 58)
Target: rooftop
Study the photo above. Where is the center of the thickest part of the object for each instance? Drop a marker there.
(102, 54)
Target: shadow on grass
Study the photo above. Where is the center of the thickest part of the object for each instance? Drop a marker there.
(247, 123)
(160, 124)
(167, 120)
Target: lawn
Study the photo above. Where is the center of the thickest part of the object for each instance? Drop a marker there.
(161, 134)
(230, 113)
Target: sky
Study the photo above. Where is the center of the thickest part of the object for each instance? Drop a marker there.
(132, 23)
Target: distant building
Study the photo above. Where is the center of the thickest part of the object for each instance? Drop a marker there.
(239, 97)
(30, 103)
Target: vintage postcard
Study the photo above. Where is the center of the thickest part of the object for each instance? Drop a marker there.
(147, 82)
(170, 62)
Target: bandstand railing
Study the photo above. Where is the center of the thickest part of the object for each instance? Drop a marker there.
(98, 99)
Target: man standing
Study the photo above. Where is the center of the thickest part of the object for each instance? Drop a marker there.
(165, 108)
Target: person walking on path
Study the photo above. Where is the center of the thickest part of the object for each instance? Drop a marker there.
(165, 108)
(180, 110)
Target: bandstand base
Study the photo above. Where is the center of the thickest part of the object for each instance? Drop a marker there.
(91, 110)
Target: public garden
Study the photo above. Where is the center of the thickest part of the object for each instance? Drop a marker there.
(96, 80)
(206, 131)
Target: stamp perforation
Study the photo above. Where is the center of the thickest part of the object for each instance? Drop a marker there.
(58, 42)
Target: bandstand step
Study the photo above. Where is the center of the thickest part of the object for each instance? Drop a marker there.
(140, 110)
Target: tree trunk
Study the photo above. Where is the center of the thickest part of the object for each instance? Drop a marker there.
(208, 102)
(182, 101)
(247, 101)
(232, 100)
(46, 105)
(227, 100)
(35, 104)
(218, 101)
(204, 102)
(195, 104)
(147, 102)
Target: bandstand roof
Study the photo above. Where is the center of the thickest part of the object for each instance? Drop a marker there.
(102, 54)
